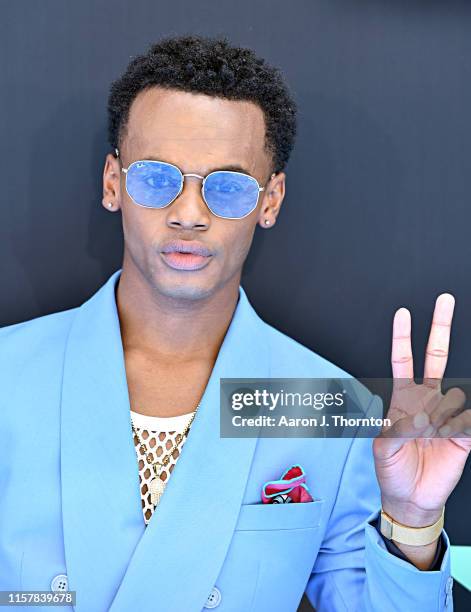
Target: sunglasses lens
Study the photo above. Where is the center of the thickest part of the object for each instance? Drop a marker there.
(152, 183)
(231, 194)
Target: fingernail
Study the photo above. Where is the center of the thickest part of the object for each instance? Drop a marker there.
(429, 431)
(421, 420)
(445, 430)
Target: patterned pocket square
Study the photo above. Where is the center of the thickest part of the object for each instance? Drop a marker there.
(291, 487)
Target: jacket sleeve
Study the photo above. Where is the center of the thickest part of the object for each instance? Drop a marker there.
(354, 571)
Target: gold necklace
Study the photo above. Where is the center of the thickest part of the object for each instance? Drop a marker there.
(157, 485)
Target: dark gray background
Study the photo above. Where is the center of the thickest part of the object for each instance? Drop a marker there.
(377, 211)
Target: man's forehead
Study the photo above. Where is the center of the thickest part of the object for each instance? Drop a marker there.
(160, 121)
(183, 110)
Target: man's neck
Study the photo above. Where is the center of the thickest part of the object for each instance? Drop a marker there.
(171, 329)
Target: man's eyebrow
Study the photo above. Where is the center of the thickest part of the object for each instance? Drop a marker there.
(229, 168)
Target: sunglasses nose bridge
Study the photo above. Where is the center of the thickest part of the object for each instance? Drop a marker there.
(196, 176)
(191, 174)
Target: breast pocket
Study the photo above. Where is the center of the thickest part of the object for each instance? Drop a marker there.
(280, 517)
(280, 542)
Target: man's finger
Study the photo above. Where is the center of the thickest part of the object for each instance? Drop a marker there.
(436, 355)
(401, 353)
(391, 439)
(451, 404)
(460, 424)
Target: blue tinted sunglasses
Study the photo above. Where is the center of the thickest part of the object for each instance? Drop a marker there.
(156, 184)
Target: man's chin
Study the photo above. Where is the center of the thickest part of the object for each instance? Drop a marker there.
(190, 289)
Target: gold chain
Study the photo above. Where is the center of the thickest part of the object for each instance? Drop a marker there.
(166, 458)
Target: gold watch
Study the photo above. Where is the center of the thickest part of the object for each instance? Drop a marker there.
(413, 536)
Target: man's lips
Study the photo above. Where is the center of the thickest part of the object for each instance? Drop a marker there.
(186, 261)
(186, 246)
(186, 255)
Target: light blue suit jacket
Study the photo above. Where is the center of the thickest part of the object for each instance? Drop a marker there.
(70, 500)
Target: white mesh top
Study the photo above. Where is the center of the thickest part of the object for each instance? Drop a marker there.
(159, 434)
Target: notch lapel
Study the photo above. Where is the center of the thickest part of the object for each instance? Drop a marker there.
(113, 561)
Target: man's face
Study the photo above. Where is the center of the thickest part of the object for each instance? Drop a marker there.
(199, 134)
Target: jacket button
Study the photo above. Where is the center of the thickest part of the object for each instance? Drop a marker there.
(214, 598)
(60, 583)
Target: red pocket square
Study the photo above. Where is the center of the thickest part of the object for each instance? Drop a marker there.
(290, 488)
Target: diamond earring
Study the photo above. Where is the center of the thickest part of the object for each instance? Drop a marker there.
(110, 204)
(267, 222)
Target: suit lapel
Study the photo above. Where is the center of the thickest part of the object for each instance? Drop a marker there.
(102, 516)
(110, 555)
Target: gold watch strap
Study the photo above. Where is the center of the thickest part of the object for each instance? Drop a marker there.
(413, 536)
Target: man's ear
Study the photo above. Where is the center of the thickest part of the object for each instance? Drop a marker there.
(111, 184)
(272, 200)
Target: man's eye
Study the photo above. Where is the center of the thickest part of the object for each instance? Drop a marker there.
(228, 187)
(157, 181)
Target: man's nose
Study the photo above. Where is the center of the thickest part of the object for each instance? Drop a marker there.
(189, 210)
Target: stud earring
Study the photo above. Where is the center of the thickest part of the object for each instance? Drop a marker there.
(110, 204)
(267, 222)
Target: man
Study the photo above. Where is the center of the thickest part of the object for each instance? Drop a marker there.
(158, 337)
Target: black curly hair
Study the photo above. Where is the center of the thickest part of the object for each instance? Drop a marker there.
(214, 67)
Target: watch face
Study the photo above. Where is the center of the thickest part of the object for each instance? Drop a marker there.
(282, 499)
